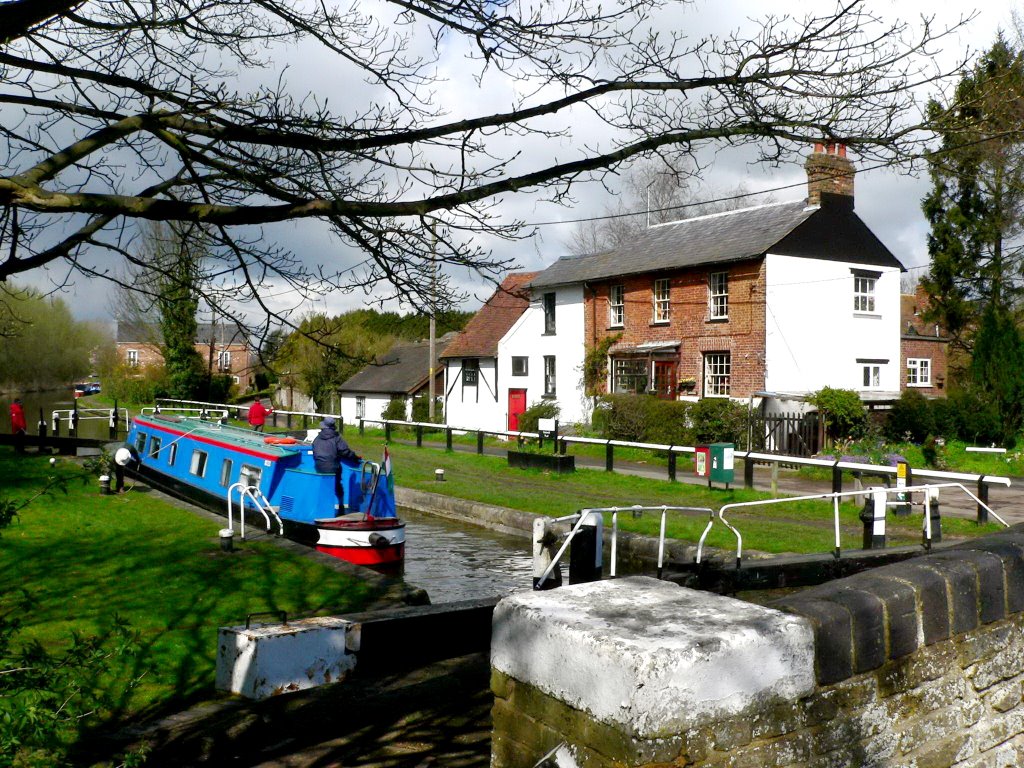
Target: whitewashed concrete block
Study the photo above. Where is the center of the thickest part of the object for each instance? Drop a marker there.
(651, 657)
(266, 660)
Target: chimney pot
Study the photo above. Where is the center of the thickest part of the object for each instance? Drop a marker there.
(829, 171)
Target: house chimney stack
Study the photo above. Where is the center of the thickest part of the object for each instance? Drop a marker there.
(828, 171)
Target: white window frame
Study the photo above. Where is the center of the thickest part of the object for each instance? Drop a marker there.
(864, 294)
(550, 376)
(627, 372)
(360, 406)
(132, 358)
(154, 447)
(661, 293)
(718, 296)
(224, 360)
(197, 466)
(617, 306)
(717, 374)
(550, 304)
(172, 453)
(919, 371)
(871, 376)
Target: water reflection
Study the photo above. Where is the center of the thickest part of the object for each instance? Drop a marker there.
(454, 561)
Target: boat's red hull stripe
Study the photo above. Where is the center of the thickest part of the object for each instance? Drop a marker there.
(366, 555)
(208, 440)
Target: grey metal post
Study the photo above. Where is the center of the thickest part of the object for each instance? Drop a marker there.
(936, 516)
(983, 497)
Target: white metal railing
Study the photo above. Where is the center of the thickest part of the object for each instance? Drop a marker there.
(112, 416)
(237, 409)
(905, 492)
(202, 412)
(259, 502)
(636, 510)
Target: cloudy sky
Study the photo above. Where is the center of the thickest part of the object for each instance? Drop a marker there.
(887, 200)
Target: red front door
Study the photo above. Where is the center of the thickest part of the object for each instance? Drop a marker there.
(665, 379)
(516, 405)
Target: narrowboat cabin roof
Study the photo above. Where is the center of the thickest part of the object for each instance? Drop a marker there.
(212, 431)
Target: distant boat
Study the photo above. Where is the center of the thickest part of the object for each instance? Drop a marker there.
(87, 388)
(275, 473)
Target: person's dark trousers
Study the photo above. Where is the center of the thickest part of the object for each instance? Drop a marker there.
(339, 492)
(258, 428)
(19, 441)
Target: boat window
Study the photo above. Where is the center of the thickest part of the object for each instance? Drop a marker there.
(250, 475)
(225, 473)
(154, 447)
(140, 442)
(172, 453)
(198, 467)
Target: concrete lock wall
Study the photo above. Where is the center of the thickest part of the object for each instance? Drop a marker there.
(919, 664)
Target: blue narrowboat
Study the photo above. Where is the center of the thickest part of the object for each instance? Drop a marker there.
(275, 476)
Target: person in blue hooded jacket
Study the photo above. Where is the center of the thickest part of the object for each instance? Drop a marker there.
(329, 449)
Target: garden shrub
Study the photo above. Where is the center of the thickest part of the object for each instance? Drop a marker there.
(395, 410)
(718, 420)
(976, 417)
(545, 409)
(911, 418)
(622, 417)
(421, 409)
(668, 422)
(842, 412)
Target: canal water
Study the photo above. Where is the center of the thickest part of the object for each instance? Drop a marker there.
(454, 561)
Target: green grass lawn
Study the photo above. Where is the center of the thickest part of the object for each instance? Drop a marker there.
(86, 558)
(798, 527)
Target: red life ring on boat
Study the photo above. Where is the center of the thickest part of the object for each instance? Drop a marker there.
(279, 440)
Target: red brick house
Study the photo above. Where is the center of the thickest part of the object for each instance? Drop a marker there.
(783, 298)
(222, 346)
(923, 347)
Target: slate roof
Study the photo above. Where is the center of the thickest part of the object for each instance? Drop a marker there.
(403, 370)
(149, 333)
(832, 231)
(498, 314)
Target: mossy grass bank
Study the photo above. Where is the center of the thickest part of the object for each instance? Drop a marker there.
(85, 559)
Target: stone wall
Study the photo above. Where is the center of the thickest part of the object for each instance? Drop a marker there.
(919, 664)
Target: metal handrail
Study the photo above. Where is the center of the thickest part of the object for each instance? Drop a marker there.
(259, 502)
(835, 496)
(635, 509)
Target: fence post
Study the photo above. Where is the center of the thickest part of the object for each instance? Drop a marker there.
(419, 435)
(480, 442)
(775, 478)
(936, 516)
(73, 429)
(671, 464)
(873, 517)
(56, 424)
(837, 478)
(305, 421)
(585, 552)
(361, 426)
(609, 457)
(982, 496)
(42, 431)
(288, 422)
(448, 439)
(748, 471)
(387, 431)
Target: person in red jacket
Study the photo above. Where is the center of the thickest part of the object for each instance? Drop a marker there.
(18, 424)
(258, 415)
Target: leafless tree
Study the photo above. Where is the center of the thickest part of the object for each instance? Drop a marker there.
(116, 111)
(655, 193)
